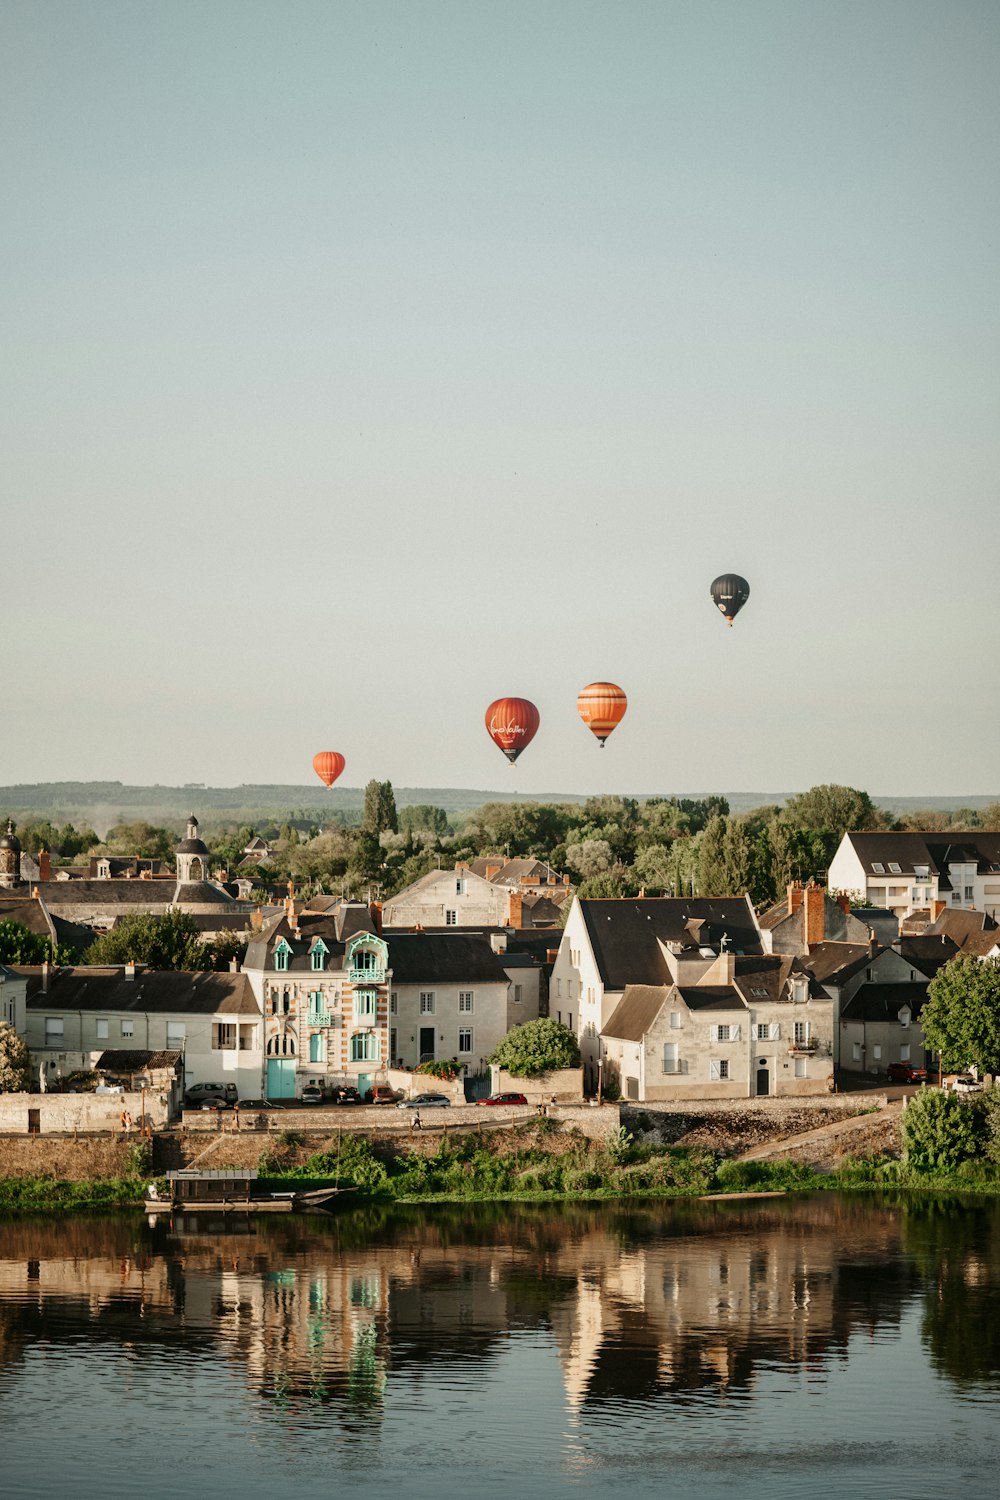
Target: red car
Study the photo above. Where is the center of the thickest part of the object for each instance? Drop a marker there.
(902, 1072)
(504, 1099)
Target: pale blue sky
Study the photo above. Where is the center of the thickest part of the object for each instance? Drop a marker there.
(366, 362)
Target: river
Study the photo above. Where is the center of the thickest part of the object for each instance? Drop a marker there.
(830, 1346)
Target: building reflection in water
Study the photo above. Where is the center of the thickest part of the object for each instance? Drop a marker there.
(689, 1301)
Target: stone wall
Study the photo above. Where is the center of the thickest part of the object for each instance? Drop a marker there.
(79, 1114)
(319, 1125)
(565, 1085)
(62, 1157)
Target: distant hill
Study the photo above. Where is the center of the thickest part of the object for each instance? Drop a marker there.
(103, 803)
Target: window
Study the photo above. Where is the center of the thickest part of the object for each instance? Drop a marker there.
(722, 1033)
(956, 899)
(223, 1035)
(318, 957)
(465, 1002)
(877, 868)
(102, 1029)
(675, 1020)
(364, 1046)
(801, 1032)
(318, 1015)
(394, 1003)
(392, 1044)
(801, 1068)
(922, 872)
(365, 1004)
(364, 961)
(894, 869)
(426, 1002)
(904, 1052)
(128, 1028)
(569, 1019)
(877, 1052)
(53, 1030)
(459, 887)
(451, 918)
(762, 1031)
(856, 1052)
(248, 1038)
(281, 953)
(176, 1033)
(317, 1047)
(518, 994)
(720, 1069)
(671, 1057)
(968, 893)
(465, 1039)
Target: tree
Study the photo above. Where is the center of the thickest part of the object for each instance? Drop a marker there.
(591, 857)
(610, 885)
(940, 1131)
(141, 839)
(168, 942)
(19, 945)
(961, 1016)
(15, 1064)
(537, 1047)
(380, 808)
(713, 873)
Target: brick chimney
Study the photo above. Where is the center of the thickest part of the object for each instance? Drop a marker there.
(515, 916)
(813, 917)
(844, 902)
(256, 919)
(492, 870)
(44, 865)
(794, 897)
(937, 907)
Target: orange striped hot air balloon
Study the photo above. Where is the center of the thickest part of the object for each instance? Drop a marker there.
(602, 707)
(512, 723)
(328, 765)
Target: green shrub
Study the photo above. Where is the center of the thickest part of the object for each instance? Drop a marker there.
(445, 1068)
(941, 1130)
(537, 1047)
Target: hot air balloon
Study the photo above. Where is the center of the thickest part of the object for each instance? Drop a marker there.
(601, 706)
(729, 594)
(511, 723)
(328, 765)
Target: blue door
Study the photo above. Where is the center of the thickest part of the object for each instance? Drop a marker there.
(281, 1078)
(364, 1083)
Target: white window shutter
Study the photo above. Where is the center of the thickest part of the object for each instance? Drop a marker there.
(713, 1067)
(774, 1031)
(713, 1033)
(734, 1032)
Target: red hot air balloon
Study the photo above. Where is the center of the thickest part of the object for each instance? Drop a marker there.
(602, 707)
(328, 765)
(512, 723)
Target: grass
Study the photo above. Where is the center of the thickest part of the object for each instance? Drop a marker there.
(47, 1194)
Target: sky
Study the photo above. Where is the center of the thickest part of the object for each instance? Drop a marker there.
(364, 363)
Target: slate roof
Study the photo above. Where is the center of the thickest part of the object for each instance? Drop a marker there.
(882, 1002)
(928, 954)
(711, 997)
(828, 962)
(959, 924)
(157, 991)
(27, 911)
(636, 1011)
(454, 957)
(625, 934)
(201, 893)
(135, 1060)
(335, 927)
(932, 849)
(97, 893)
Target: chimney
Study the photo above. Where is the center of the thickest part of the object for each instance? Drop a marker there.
(526, 880)
(937, 907)
(461, 864)
(44, 865)
(234, 966)
(130, 970)
(491, 871)
(872, 942)
(794, 897)
(565, 880)
(256, 919)
(515, 916)
(814, 920)
(498, 942)
(375, 911)
(45, 977)
(551, 954)
(844, 902)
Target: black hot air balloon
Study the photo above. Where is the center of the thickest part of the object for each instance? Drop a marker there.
(729, 594)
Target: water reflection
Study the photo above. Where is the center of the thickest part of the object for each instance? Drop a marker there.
(642, 1309)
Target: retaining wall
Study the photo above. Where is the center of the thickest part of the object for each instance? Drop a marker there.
(80, 1114)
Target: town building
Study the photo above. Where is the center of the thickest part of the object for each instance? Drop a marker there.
(661, 940)
(76, 1015)
(911, 872)
(13, 999)
(809, 915)
(527, 895)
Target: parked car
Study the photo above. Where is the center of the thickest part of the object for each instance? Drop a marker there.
(966, 1084)
(312, 1094)
(346, 1094)
(504, 1099)
(247, 1104)
(381, 1094)
(904, 1072)
(425, 1101)
(211, 1093)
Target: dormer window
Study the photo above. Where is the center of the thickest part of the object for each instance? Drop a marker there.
(894, 869)
(877, 869)
(318, 956)
(282, 952)
(922, 872)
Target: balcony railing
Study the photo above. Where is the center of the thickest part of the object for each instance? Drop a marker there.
(319, 1018)
(810, 1046)
(366, 976)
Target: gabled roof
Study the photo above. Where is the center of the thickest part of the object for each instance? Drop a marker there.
(135, 1060)
(927, 953)
(763, 981)
(335, 927)
(156, 991)
(935, 850)
(882, 1002)
(958, 924)
(836, 962)
(626, 934)
(636, 1011)
(711, 997)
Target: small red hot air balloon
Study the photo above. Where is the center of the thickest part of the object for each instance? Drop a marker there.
(512, 723)
(328, 765)
(601, 706)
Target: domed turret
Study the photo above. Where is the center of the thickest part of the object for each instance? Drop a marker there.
(192, 855)
(10, 857)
